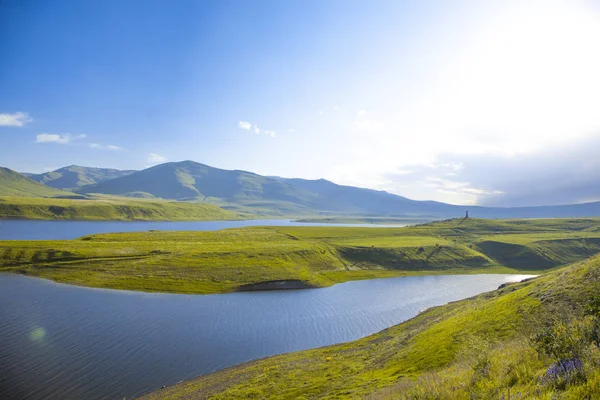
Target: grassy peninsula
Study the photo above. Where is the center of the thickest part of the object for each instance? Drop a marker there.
(106, 208)
(533, 340)
(224, 261)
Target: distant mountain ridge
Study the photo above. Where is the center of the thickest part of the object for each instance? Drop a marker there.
(276, 196)
(367, 201)
(75, 176)
(247, 191)
(189, 180)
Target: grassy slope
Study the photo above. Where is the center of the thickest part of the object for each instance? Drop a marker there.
(248, 192)
(118, 209)
(190, 180)
(479, 348)
(14, 184)
(212, 262)
(76, 176)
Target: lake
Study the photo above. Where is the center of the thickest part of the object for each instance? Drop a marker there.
(68, 342)
(58, 230)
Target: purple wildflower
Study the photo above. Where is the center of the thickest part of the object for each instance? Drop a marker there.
(564, 372)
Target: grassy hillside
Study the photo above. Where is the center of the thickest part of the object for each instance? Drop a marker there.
(14, 184)
(532, 340)
(115, 209)
(274, 196)
(189, 180)
(249, 192)
(75, 176)
(370, 202)
(222, 261)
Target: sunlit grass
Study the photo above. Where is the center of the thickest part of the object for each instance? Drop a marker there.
(105, 208)
(484, 347)
(222, 261)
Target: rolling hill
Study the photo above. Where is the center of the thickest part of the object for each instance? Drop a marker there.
(188, 180)
(368, 201)
(247, 192)
(250, 192)
(22, 198)
(106, 208)
(75, 176)
(251, 257)
(14, 184)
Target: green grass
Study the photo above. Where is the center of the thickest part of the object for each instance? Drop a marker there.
(14, 184)
(222, 261)
(111, 208)
(491, 346)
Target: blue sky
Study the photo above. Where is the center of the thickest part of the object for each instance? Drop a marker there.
(410, 97)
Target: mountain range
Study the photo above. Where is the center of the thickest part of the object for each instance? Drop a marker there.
(249, 192)
(75, 176)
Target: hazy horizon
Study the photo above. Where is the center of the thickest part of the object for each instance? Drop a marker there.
(490, 103)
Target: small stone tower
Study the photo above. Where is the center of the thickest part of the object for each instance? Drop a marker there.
(467, 214)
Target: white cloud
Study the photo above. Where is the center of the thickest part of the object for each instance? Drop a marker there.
(244, 125)
(51, 138)
(67, 138)
(106, 147)
(57, 138)
(16, 119)
(365, 122)
(514, 79)
(463, 190)
(154, 158)
(248, 126)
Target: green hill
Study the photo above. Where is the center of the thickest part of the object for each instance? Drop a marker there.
(75, 176)
(113, 209)
(247, 192)
(362, 201)
(14, 184)
(189, 180)
(275, 196)
(234, 259)
(533, 340)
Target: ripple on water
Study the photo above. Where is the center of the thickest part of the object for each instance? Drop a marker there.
(61, 341)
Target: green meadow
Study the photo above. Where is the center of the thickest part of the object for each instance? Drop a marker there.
(222, 261)
(532, 340)
(107, 208)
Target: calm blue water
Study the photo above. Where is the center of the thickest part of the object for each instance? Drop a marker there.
(57, 230)
(65, 342)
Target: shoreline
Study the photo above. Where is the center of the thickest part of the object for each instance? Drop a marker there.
(281, 285)
(249, 363)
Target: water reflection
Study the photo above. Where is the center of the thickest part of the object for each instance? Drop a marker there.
(61, 341)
